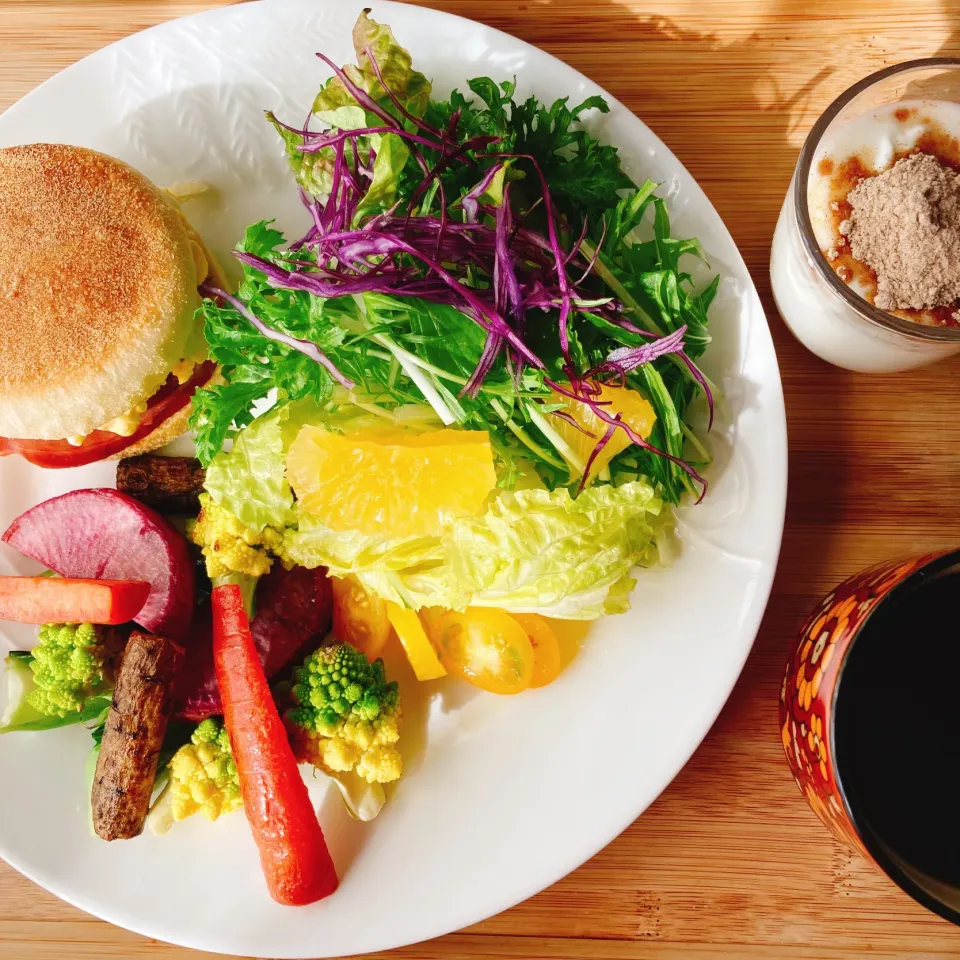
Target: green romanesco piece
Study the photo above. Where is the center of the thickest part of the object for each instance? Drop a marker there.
(203, 775)
(212, 731)
(229, 546)
(346, 715)
(67, 667)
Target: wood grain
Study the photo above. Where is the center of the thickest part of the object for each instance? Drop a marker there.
(729, 862)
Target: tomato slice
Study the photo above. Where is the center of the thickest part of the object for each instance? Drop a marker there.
(485, 647)
(359, 618)
(56, 454)
(59, 600)
(546, 648)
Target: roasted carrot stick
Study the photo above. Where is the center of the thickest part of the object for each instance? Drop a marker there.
(58, 600)
(296, 863)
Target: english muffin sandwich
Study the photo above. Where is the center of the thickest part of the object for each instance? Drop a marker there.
(100, 351)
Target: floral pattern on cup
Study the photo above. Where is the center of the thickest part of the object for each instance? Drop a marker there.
(806, 695)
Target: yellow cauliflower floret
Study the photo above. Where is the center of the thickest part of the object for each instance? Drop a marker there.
(345, 714)
(365, 747)
(366, 734)
(375, 762)
(228, 546)
(273, 541)
(231, 547)
(185, 765)
(203, 776)
(338, 755)
(380, 765)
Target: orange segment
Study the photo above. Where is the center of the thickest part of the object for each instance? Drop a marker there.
(392, 483)
(634, 408)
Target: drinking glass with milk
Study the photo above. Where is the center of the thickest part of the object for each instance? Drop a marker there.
(865, 264)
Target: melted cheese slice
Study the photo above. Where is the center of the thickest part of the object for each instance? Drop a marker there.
(126, 424)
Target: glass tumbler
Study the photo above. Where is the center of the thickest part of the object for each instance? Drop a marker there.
(824, 313)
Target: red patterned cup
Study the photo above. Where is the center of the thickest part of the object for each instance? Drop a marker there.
(826, 773)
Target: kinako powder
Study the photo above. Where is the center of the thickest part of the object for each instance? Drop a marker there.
(905, 225)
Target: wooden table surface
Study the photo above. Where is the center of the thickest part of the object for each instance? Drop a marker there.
(729, 862)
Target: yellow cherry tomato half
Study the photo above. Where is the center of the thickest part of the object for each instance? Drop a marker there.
(359, 617)
(485, 647)
(546, 648)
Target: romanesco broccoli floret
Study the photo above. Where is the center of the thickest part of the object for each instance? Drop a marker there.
(203, 776)
(67, 667)
(345, 715)
(229, 546)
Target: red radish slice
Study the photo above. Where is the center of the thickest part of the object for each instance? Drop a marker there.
(102, 534)
(51, 600)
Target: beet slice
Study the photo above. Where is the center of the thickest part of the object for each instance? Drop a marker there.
(102, 534)
(195, 693)
(294, 610)
(294, 607)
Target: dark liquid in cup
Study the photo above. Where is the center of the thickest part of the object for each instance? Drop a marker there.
(897, 731)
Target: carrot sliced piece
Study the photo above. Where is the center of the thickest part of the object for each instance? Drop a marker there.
(60, 600)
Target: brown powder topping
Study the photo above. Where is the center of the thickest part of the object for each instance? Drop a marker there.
(905, 225)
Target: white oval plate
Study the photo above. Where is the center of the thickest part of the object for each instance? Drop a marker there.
(502, 796)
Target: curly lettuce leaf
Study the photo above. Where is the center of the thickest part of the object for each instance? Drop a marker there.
(252, 366)
(391, 157)
(313, 544)
(314, 170)
(532, 550)
(336, 106)
(543, 552)
(311, 170)
(409, 86)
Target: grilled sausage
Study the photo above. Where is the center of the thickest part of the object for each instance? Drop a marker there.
(133, 736)
(168, 484)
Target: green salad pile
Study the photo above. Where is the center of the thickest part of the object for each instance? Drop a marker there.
(479, 262)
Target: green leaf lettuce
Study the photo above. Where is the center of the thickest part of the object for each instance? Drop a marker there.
(532, 550)
(250, 479)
